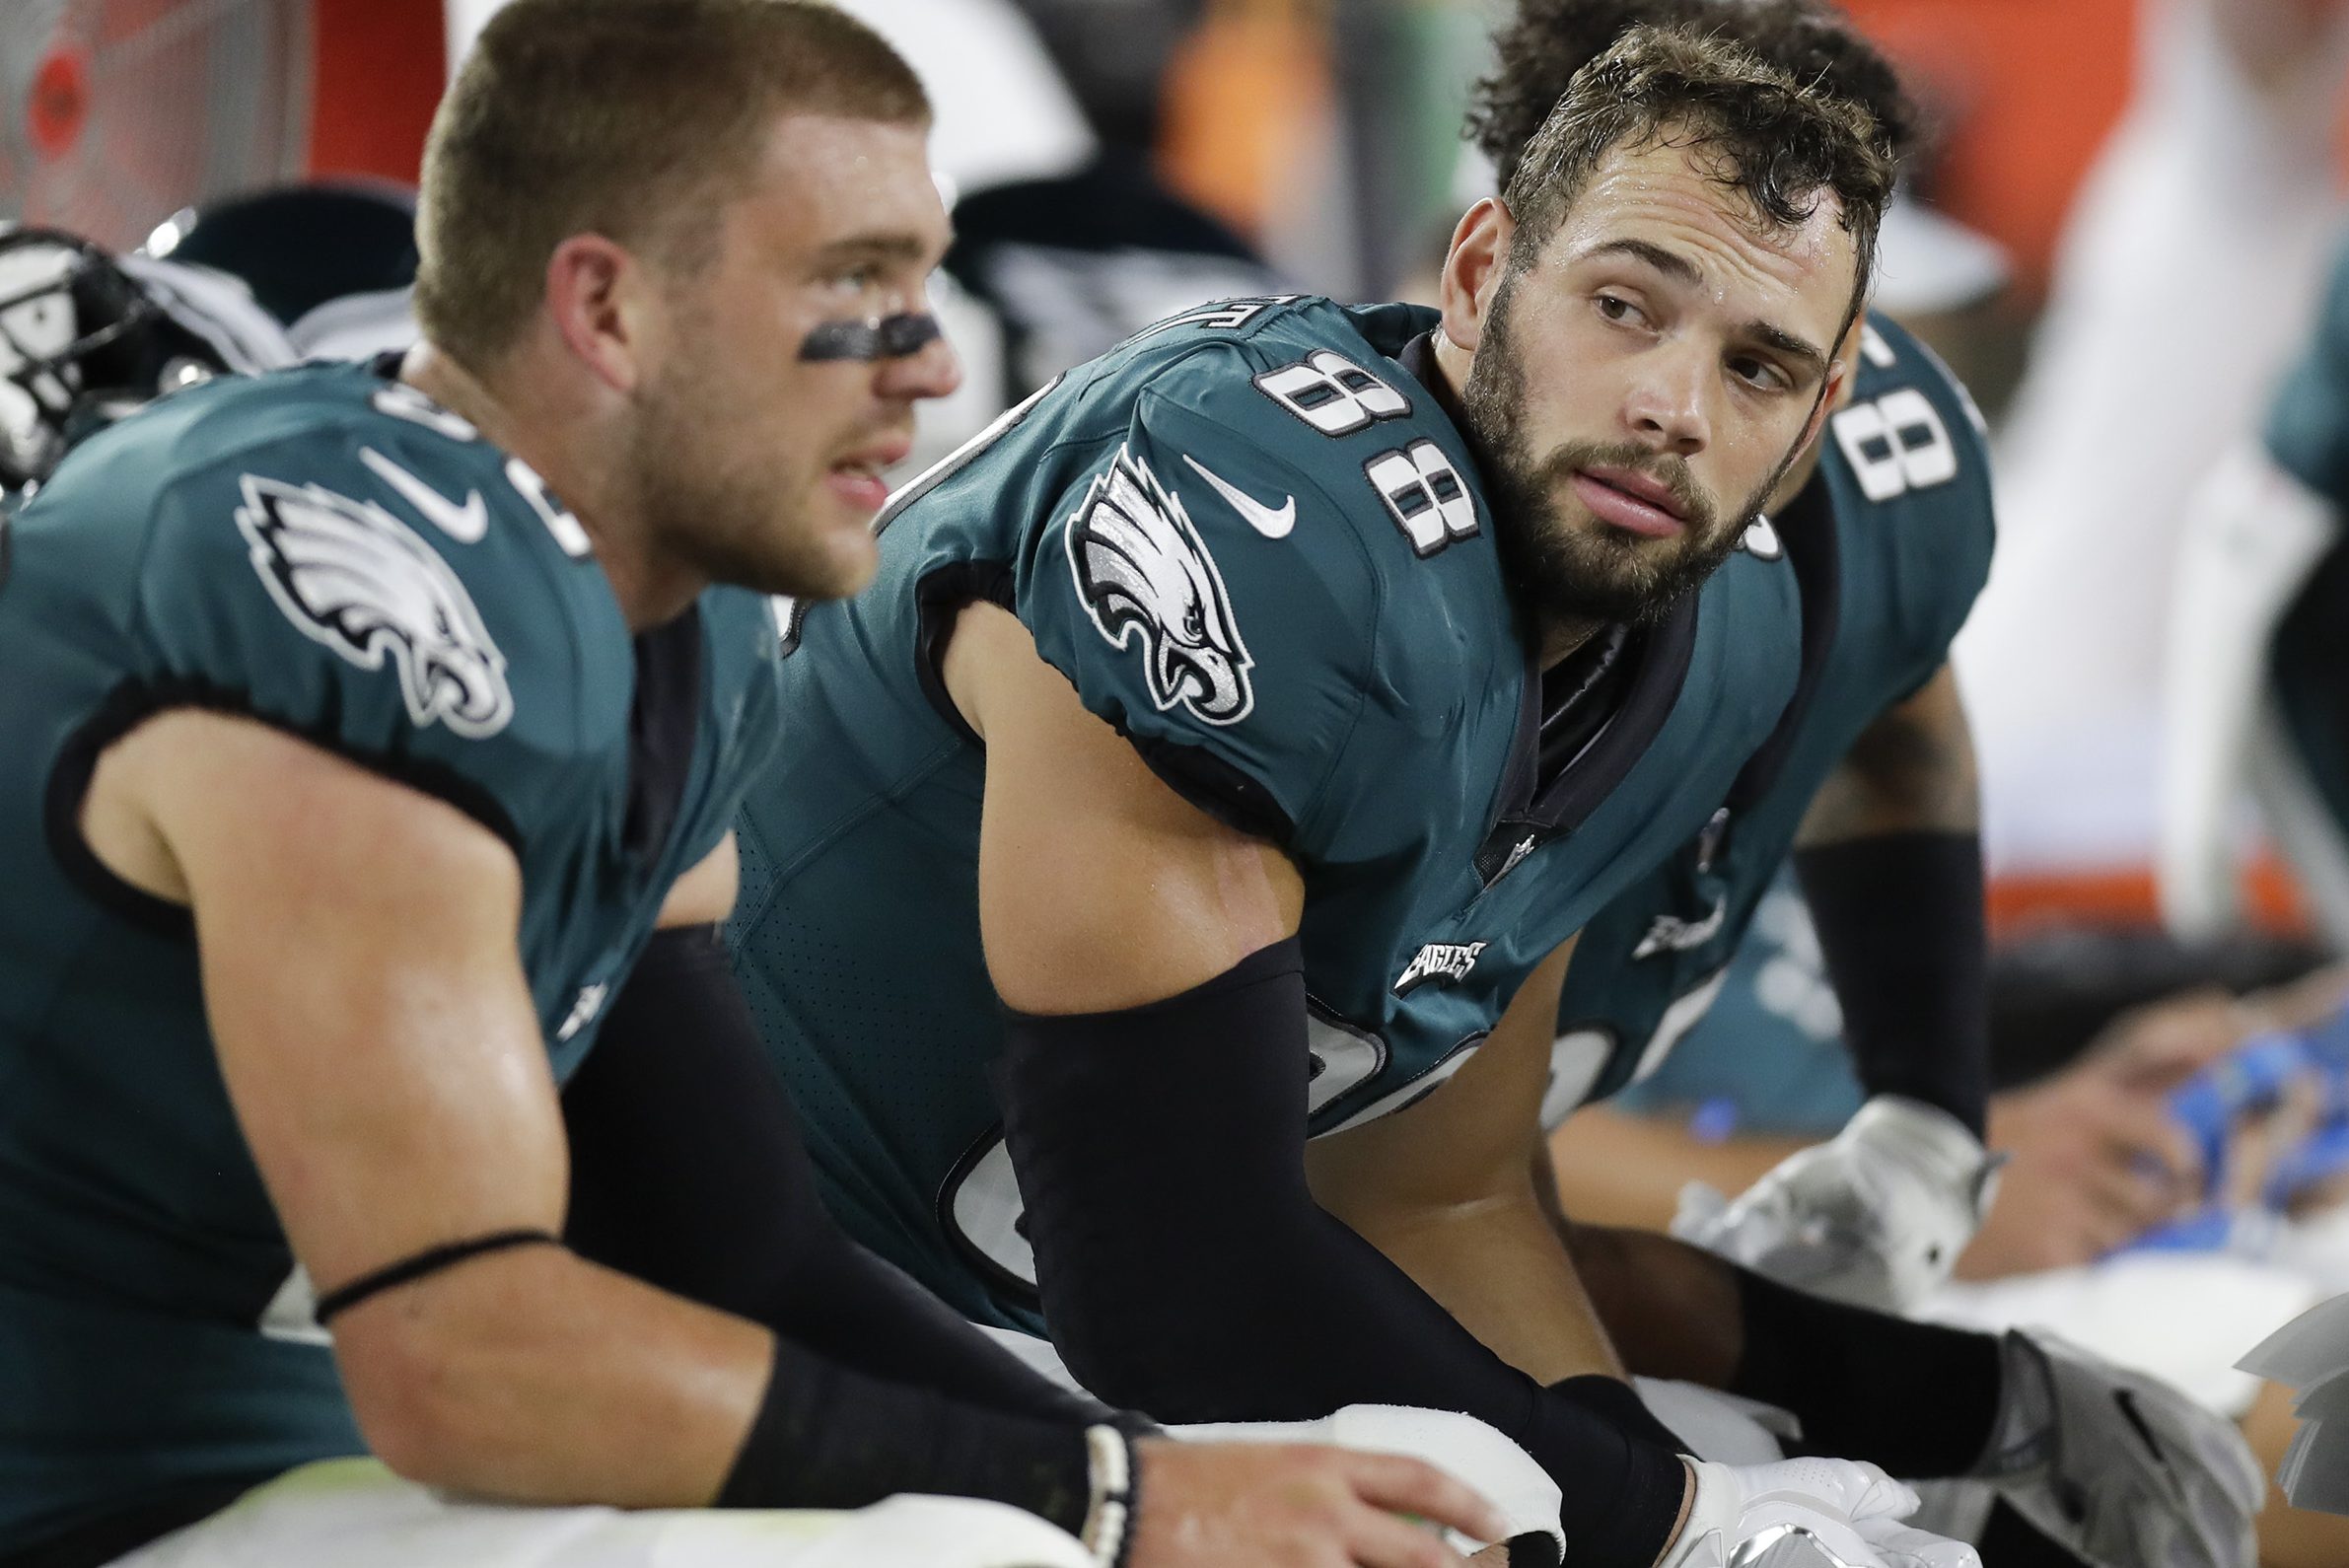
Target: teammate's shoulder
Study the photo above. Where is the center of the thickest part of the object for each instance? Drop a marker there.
(1893, 359)
(341, 445)
(744, 631)
(324, 544)
(303, 411)
(1910, 435)
(1905, 470)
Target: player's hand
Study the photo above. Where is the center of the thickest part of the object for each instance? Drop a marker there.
(2119, 1468)
(2162, 1044)
(1877, 1217)
(1248, 1505)
(2095, 1160)
(1808, 1513)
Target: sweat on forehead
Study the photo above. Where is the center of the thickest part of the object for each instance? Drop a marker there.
(1666, 159)
(1781, 145)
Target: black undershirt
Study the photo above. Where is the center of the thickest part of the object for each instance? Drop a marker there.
(1580, 694)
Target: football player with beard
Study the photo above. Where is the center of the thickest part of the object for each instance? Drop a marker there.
(1867, 783)
(1236, 737)
(374, 737)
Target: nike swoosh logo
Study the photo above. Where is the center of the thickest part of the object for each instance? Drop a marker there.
(1273, 522)
(465, 524)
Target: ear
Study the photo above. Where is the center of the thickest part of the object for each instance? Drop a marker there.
(1846, 366)
(1832, 397)
(597, 294)
(1473, 268)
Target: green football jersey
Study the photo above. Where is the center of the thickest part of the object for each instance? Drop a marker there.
(2307, 424)
(2308, 435)
(327, 551)
(1254, 543)
(1891, 541)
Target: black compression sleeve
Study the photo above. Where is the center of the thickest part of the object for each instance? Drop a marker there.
(1187, 1271)
(1618, 1404)
(687, 1171)
(1900, 923)
(827, 1436)
(1918, 1398)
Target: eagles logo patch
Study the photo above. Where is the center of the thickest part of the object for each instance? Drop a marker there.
(350, 575)
(1144, 572)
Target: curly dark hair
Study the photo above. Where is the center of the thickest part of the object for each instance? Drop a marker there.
(1548, 41)
(1781, 144)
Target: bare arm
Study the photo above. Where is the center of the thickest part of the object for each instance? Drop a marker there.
(704, 895)
(1615, 1168)
(1185, 1265)
(1672, 1308)
(1908, 781)
(1449, 1190)
(1912, 771)
(1099, 889)
(381, 1048)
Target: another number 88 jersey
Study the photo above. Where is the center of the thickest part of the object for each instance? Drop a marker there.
(1890, 542)
(1255, 545)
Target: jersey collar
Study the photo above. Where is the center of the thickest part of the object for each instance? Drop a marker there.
(1530, 810)
(1808, 527)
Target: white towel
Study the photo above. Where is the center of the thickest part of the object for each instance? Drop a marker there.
(1460, 1446)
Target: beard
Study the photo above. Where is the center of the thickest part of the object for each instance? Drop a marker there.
(1581, 569)
(724, 500)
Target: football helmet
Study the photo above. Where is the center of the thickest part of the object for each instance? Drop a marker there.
(87, 337)
(307, 253)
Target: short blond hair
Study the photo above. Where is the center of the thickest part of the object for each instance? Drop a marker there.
(635, 119)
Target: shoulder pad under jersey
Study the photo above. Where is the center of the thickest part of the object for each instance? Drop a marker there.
(1908, 466)
(330, 552)
(1271, 569)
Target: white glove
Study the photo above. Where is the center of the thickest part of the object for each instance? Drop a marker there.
(2119, 1468)
(1875, 1218)
(1806, 1513)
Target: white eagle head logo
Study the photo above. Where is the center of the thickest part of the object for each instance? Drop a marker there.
(350, 575)
(1141, 568)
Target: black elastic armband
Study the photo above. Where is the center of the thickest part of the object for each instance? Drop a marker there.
(1620, 1496)
(1856, 1380)
(431, 1260)
(827, 1436)
(1901, 926)
(688, 1171)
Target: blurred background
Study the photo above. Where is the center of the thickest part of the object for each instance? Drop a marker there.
(2169, 165)
(2120, 233)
